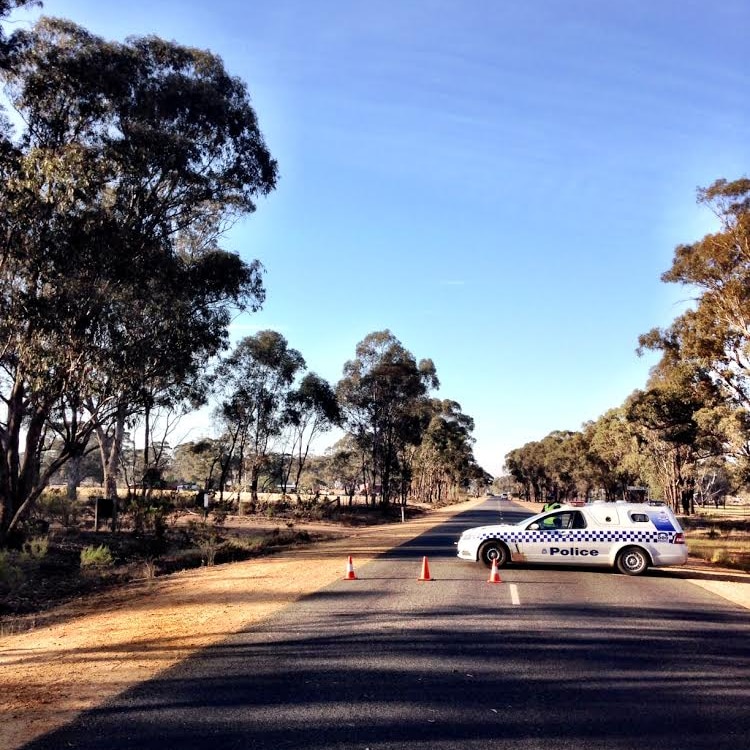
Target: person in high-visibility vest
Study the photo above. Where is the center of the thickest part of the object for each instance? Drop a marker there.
(551, 522)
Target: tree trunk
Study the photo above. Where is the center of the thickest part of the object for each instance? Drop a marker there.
(146, 491)
(110, 449)
(74, 477)
(254, 476)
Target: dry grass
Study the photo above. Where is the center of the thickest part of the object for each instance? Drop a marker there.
(730, 548)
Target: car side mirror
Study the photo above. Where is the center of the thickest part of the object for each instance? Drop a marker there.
(534, 527)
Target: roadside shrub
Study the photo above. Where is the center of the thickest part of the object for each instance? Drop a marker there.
(242, 548)
(96, 557)
(205, 537)
(220, 516)
(236, 549)
(37, 547)
(10, 574)
(209, 546)
(720, 557)
(736, 557)
(149, 569)
(145, 515)
(54, 505)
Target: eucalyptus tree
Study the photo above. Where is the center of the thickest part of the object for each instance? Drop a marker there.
(193, 462)
(714, 480)
(667, 417)
(345, 465)
(615, 460)
(714, 333)
(382, 395)
(311, 411)
(560, 459)
(6, 8)
(526, 467)
(133, 160)
(255, 385)
(444, 461)
(582, 466)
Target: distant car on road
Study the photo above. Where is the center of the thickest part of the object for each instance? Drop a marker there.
(628, 536)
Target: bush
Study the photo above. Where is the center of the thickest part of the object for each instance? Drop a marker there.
(205, 537)
(96, 557)
(10, 574)
(720, 557)
(149, 569)
(37, 547)
(208, 547)
(54, 505)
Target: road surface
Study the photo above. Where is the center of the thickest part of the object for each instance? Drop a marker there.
(549, 658)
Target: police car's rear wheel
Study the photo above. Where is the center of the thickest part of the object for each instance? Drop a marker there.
(632, 561)
(496, 551)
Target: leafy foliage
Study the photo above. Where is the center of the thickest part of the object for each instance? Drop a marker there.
(134, 159)
(695, 409)
(256, 383)
(444, 461)
(382, 395)
(96, 557)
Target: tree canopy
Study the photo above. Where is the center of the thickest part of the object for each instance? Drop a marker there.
(696, 406)
(381, 395)
(133, 159)
(256, 382)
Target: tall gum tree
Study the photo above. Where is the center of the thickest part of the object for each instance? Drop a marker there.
(714, 333)
(382, 395)
(256, 384)
(444, 460)
(671, 421)
(134, 159)
(312, 410)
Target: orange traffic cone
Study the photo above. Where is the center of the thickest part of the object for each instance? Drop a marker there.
(425, 576)
(350, 576)
(494, 574)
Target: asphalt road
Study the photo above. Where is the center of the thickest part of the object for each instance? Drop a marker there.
(549, 658)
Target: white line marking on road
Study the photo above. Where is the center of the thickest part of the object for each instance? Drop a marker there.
(514, 594)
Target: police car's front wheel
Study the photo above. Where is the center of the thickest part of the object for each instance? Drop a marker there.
(632, 561)
(496, 551)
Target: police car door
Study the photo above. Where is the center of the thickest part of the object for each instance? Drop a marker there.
(555, 538)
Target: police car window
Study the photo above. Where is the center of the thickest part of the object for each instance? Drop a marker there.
(579, 522)
(548, 522)
(565, 520)
(639, 518)
(573, 520)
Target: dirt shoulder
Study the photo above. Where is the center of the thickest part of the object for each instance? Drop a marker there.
(104, 644)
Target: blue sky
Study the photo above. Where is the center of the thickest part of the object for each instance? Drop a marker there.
(500, 184)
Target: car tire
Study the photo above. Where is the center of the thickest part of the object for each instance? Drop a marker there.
(494, 550)
(632, 561)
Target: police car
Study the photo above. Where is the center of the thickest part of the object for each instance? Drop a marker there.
(628, 536)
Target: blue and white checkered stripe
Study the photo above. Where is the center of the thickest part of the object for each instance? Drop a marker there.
(580, 535)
